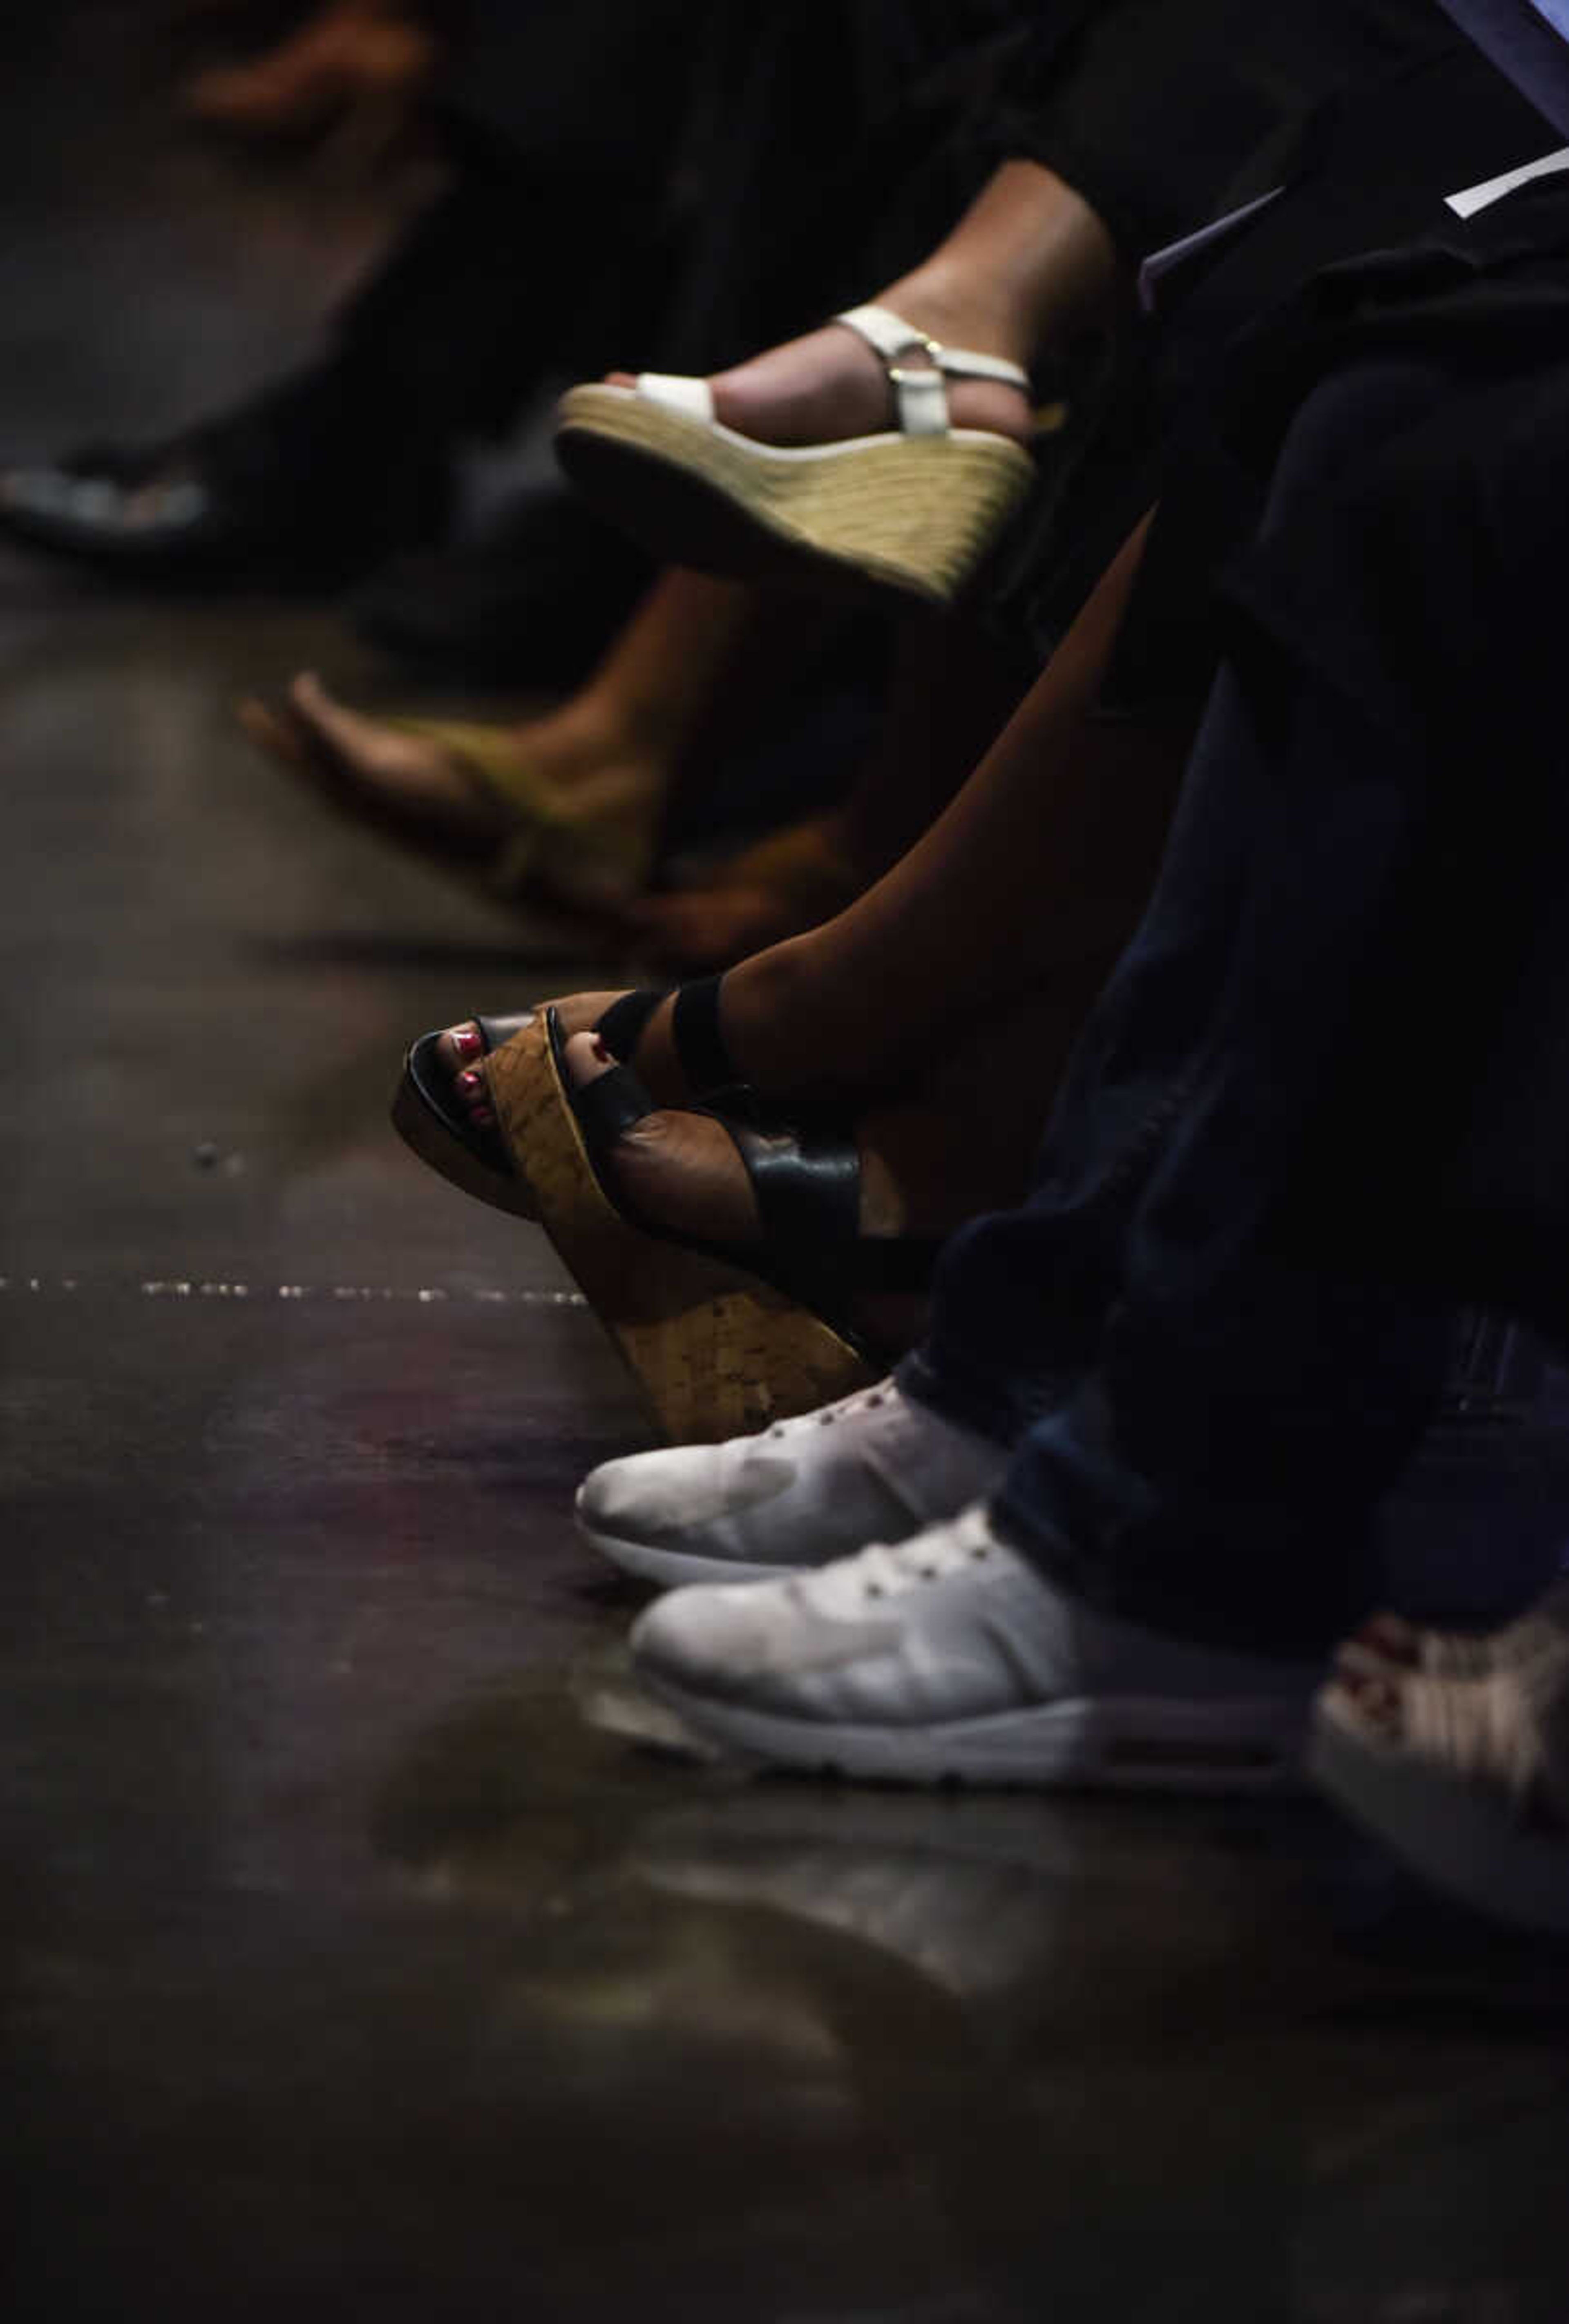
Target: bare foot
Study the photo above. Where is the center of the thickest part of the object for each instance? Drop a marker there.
(356, 51)
(576, 767)
(409, 776)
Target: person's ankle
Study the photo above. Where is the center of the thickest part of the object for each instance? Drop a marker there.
(598, 728)
(784, 1024)
(958, 308)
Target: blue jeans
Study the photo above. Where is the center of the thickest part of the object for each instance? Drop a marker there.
(1205, 1411)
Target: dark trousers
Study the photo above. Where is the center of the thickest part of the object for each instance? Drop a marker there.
(1206, 1396)
(641, 184)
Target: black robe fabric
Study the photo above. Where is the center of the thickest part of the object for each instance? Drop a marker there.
(1365, 170)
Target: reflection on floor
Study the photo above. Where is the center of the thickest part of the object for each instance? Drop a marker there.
(343, 1962)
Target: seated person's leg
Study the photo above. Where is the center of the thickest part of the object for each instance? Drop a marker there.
(1220, 1420)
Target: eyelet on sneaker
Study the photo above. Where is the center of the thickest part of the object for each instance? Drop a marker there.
(875, 1590)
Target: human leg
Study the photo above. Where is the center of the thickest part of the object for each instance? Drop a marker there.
(1202, 1416)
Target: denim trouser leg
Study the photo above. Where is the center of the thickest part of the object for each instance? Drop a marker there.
(1202, 1426)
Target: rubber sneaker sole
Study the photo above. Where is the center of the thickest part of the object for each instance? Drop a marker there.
(1105, 1742)
(671, 1569)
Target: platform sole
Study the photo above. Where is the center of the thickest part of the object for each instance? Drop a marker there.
(910, 514)
(1463, 1838)
(1122, 1743)
(718, 1352)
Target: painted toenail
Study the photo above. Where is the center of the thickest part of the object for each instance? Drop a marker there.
(482, 1117)
(467, 1041)
(470, 1085)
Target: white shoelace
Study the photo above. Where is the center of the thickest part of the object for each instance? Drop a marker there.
(887, 1572)
(866, 1399)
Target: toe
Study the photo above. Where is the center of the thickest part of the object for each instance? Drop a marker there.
(586, 1057)
(462, 1051)
(280, 735)
(460, 1047)
(410, 775)
(355, 737)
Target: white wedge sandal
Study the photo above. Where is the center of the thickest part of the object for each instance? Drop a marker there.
(912, 510)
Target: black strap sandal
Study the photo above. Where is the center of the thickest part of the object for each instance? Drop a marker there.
(705, 1059)
(722, 1341)
(719, 1339)
(806, 1181)
(431, 1120)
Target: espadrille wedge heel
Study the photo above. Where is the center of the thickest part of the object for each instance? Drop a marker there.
(913, 510)
(722, 1338)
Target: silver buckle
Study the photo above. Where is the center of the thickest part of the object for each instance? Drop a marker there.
(932, 347)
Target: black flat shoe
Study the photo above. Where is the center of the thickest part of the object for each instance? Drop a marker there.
(182, 512)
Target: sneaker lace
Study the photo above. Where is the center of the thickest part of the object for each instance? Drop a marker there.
(866, 1399)
(885, 1572)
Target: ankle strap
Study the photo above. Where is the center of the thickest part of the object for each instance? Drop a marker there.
(694, 1028)
(621, 1028)
(921, 397)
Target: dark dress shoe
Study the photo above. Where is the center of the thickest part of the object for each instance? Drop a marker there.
(212, 507)
(535, 600)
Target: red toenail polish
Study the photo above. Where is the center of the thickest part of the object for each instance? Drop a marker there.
(471, 1085)
(601, 1052)
(482, 1117)
(467, 1041)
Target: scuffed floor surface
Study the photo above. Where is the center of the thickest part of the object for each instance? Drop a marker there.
(346, 1970)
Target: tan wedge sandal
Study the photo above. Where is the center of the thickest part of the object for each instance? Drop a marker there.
(912, 510)
(722, 1338)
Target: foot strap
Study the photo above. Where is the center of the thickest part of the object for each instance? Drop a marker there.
(607, 1107)
(700, 1044)
(692, 398)
(921, 396)
(807, 1184)
(807, 1188)
(624, 1023)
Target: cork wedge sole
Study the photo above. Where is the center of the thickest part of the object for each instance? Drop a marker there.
(717, 1350)
(911, 513)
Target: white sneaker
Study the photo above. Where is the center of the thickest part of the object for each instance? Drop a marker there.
(951, 1656)
(874, 1467)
